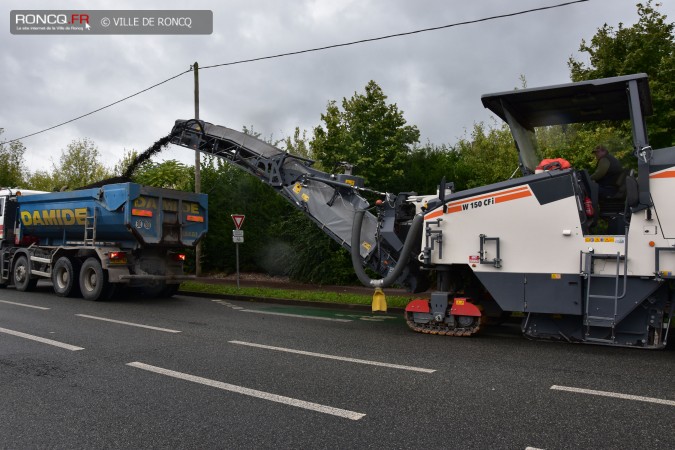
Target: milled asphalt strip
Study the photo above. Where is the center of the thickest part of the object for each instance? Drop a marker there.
(23, 304)
(166, 330)
(251, 392)
(638, 398)
(339, 358)
(299, 316)
(40, 339)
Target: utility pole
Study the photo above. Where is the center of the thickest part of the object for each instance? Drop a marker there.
(198, 177)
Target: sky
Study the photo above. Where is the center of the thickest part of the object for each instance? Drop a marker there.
(436, 78)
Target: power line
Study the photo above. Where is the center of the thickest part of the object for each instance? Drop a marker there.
(99, 109)
(407, 33)
(327, 47)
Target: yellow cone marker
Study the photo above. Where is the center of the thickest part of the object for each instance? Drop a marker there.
(379, 300)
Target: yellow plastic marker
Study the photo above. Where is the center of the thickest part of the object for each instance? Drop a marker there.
(379, 300)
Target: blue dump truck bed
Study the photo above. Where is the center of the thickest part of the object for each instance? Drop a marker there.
(127, 215)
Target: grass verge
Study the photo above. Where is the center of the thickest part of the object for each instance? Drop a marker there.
(394, 301)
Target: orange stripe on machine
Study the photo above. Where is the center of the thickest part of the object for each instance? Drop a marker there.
(482, 200)
(669, 173)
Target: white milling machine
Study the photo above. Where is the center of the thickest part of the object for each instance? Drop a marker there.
(529, 245)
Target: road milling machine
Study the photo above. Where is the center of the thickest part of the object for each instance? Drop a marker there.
(526, 245)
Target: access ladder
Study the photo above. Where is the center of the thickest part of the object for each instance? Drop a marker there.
(601, 309)
(90, 228)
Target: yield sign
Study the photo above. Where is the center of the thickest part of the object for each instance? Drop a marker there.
(238, 220)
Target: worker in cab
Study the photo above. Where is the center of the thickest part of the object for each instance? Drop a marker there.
(609, 174)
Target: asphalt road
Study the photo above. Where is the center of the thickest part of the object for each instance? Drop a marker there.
(205, 373)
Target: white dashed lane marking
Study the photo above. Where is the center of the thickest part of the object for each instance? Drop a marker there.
(138, 325)
(638, 398)
(299, 316)
(251, 392)
(41, 339)
(339, 358)
(25, 305)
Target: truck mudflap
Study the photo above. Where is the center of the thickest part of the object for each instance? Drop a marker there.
(463, 318)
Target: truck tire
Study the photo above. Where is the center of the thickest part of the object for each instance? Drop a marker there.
(94, 281)
(66, 277)
(21, 274)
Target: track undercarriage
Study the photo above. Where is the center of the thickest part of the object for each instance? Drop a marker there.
(440, 316)
(456, 326)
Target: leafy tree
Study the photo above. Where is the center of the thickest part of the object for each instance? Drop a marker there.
(488, 156)
(124, 162)
(647, 46)
(41, 180)
(12, 165)
(298, 144)
(426, 166)
(78, 166)
(233, 191)
(574, 143)
(169, 174)
(307, 254)
(368, 133)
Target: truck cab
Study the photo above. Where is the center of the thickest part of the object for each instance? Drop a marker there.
(8, 208)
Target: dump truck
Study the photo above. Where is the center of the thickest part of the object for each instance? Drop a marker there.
(90, 241)
(529, 245)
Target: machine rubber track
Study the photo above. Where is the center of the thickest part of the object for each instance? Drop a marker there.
(441, 328)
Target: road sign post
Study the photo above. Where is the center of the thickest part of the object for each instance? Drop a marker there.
(238, 238)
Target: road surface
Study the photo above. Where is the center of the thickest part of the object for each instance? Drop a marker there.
(206, 373)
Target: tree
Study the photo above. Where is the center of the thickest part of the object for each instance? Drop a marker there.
(127, 159)
(368, 133)
(233, 191)
(488, 156)
(649, 47)
(298, 144)
(169, 174)
(78, 165)
(426, 166)
(41, 180)
(12, 166)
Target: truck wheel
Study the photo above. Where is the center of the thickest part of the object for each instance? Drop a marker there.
(65, 277)
(94, 281)
(22, 279)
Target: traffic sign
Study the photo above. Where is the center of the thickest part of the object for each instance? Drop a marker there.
(238, 220)
(238, 233)
(238, 239)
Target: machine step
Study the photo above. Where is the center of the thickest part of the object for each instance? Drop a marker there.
(600, 340)
(599, 321)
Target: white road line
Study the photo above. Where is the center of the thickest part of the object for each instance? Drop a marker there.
(533, 448)
(23, 304)
(40, 339)
(251, 392)
(339, 358)
(294, 315)
(638, 398)
(166, 330)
